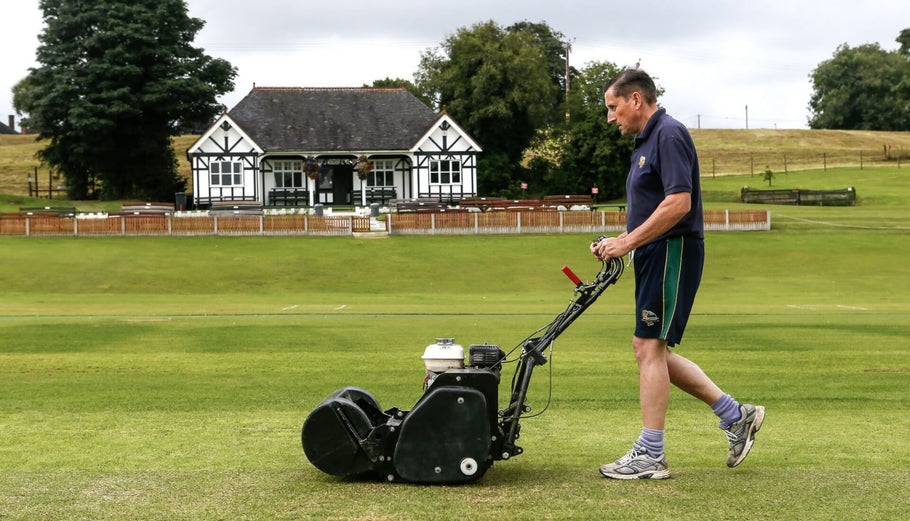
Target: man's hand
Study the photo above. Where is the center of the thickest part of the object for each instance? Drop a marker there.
(610, 248)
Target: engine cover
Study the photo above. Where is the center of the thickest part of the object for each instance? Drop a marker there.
(445, 438)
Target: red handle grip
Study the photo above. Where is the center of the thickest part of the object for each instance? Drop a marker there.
(573, 277)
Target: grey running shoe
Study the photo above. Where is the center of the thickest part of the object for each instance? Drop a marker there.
(637, 465)
(742, 433)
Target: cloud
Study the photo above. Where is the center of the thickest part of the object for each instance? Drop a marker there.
(712, 57)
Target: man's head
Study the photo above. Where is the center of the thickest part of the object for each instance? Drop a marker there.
(631, 100)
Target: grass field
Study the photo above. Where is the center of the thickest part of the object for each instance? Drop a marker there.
(167, 378)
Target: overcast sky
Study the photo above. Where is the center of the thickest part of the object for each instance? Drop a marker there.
(713, 58)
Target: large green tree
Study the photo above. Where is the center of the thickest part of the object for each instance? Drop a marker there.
(860, 88)
(594, 153)
(116, 79)
(497, 85)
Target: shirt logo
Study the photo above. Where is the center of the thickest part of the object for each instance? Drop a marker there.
(641, 161)
(649, 317)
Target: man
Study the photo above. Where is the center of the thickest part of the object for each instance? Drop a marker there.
(665, 237)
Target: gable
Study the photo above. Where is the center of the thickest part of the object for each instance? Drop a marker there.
(333, 119)
(225, 136)
(444, 135)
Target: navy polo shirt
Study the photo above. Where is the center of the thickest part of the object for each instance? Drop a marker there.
(664, 162)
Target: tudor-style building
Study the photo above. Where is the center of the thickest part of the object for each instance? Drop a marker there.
(299, 146)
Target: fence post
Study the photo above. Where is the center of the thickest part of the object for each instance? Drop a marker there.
(519, 221)
(215, 224)
(727, 219)
(751, 164)
(562, 223)
(476, 223)
(433, 219)
(261, 225)
(785, 164)
(713, 168)
(860, 159)
(170, 225)
(75, 226)
(28, 227)
(122, 225)
(825, 159)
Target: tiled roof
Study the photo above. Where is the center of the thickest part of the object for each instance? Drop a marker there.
(293, 119)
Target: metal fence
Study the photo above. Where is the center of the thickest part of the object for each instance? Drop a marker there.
(755, 163)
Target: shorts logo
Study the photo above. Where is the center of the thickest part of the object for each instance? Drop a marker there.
(649, 317)
(641, 161)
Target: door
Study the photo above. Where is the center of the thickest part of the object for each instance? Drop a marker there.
(343, 184)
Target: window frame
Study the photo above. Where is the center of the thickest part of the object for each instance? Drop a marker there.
(448, 176)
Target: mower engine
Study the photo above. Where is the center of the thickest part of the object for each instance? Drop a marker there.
(454, 432)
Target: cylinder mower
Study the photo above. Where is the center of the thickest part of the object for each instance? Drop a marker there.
(455, 431)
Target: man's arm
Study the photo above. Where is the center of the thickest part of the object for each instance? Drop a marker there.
(669, 212)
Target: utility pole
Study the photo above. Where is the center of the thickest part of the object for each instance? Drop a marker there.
(567, 83)
(747, 117)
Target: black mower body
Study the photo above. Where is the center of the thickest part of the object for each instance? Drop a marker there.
(447, 437)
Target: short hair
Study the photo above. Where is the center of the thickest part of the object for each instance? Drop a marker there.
(633, 80)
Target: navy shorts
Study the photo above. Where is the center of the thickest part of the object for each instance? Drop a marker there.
(667, 275)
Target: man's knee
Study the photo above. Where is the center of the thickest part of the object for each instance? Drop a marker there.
(648, 350)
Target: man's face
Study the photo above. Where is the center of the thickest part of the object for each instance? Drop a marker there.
(622, 111)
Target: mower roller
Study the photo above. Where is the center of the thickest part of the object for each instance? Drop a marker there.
(455, 431)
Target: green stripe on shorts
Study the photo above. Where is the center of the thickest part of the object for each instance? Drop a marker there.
(672, 269)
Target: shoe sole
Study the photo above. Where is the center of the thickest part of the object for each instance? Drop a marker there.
(756, 425)
(656, 474)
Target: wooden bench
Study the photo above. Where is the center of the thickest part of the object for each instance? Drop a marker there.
(146, 209)
(483, 203)
(62, 211)
(289, 197)
(378, 194)
(620, 207)
(517, 204)
(568, 200)
(402, 206)
(236, 208)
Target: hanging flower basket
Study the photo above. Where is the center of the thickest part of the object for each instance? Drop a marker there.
(311, 167)
(362, 166)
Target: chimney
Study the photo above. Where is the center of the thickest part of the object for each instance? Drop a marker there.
(12, 122)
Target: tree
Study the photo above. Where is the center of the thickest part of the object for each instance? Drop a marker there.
(497, 85)
(401, 83)
(116, 79)
(767, 175)
(860, 88)
(555, 47)
(595, 153)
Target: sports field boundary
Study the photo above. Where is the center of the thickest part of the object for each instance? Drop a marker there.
(486, 223)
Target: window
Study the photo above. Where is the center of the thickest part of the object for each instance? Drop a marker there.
(383, 173)
(226, 173)
(288, 174)
(445, 172)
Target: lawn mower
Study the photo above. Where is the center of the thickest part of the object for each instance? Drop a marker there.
(454, 432)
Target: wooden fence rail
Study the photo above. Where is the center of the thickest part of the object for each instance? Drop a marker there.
(460, 223)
